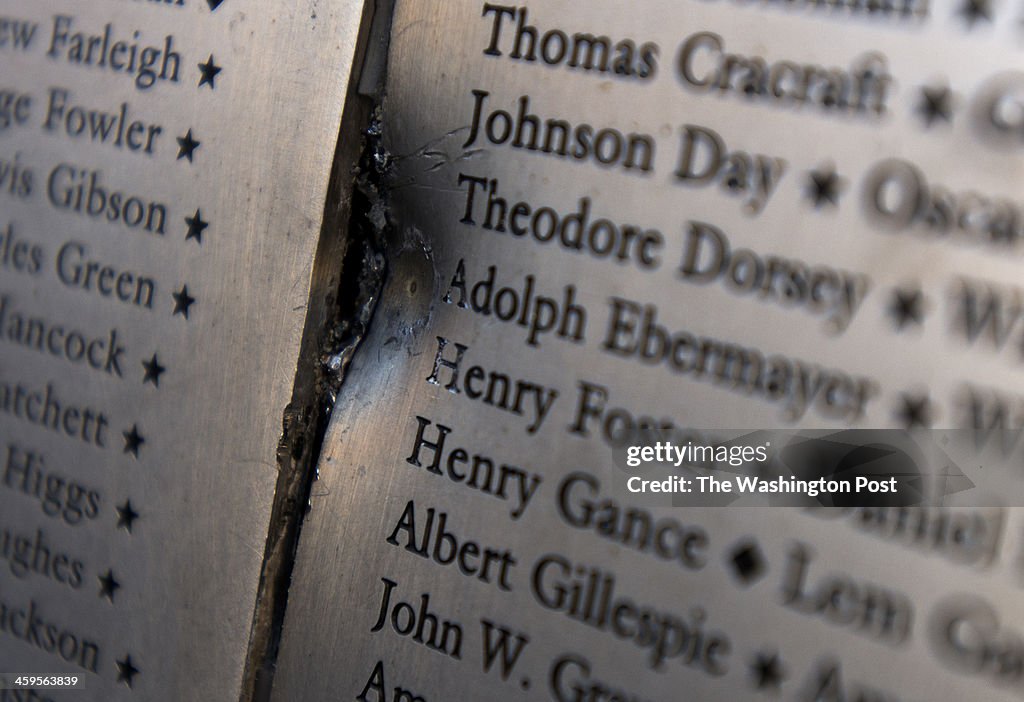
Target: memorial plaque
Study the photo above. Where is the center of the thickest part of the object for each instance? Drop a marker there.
(613, 224)
(582, 352)
(164, 170)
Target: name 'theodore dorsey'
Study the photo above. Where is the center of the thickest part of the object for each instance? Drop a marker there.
(708, 255)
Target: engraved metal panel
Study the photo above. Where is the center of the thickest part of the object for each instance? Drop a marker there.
(164, 168)
(681, 216)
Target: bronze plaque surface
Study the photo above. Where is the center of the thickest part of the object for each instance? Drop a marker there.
(685, 219)
(163, 173)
